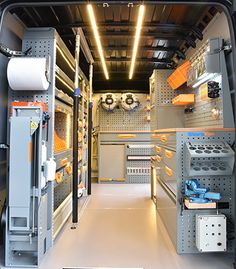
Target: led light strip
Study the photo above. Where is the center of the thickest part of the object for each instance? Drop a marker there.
(97, 38)
(65, 83)
(137, 37)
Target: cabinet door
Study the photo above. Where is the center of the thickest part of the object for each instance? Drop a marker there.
(112, 162)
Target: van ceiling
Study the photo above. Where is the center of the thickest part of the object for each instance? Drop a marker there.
(168, 31)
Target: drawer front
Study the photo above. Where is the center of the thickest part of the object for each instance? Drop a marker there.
(169, 158)
(165, 139)
(124, 137)
(166, 207)
(167, 173)
(158, 150)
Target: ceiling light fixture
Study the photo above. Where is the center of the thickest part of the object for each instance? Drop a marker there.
(97, 38)
(137, 37)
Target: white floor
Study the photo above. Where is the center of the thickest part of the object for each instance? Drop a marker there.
(120, 228)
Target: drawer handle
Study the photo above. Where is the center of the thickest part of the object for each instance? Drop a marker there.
(158, 149)
(169, 154)
(158, 158)
(68, 169)
(126, 135)
(58, 177)
(64, 161)
(163, 138)
(168, 171)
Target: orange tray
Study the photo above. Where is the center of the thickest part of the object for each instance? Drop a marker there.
(183, 99)
(179, 76)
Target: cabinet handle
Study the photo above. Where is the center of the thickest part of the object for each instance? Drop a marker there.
(158, 158)
(58, 177)
(163, 138)
(169, 154)
(158, 149)
(64, 161)
(168, 171)
(126, 135)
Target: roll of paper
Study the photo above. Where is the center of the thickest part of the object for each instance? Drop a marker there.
(27, 74)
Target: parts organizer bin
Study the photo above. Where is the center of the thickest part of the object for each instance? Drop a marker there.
(210, 158)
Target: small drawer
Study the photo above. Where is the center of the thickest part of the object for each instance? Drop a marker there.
(166, 207)
(167, 173)
(169, 158)
(165, 138)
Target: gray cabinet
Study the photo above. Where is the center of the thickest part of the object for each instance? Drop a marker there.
(112, 162)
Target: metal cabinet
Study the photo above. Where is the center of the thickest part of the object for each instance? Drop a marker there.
(112, 162)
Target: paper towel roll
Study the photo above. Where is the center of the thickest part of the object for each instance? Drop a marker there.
(27, 74)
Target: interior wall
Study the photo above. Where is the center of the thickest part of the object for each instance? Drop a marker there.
(11, 36)
(202, 115)
(218, 27)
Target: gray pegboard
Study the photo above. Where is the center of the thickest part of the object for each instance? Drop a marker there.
(138, 151)
(223, 184)
(138, 179)
(202, 115)
(61, 191)
(121, 120)
(160, 91)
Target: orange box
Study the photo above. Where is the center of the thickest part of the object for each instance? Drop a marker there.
(183, 99)
(179, 76)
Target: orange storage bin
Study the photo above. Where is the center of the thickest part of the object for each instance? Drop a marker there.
(59, 144)
(183, 99)
(179, 76)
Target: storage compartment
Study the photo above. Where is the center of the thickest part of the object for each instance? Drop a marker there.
(166, 207)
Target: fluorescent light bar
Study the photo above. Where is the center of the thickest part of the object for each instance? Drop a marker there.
(137, 37)
(203, 78)
(97, 38)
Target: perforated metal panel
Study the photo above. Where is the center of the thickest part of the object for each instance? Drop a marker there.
(161, 92)
(223, 184)
(202, 115)
(120, 119)
(61, 191)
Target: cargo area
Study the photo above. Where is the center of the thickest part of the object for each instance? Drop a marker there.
(117, 138)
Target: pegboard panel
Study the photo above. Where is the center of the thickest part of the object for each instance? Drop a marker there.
(119, 119)
(223, 184)
(138, 151)
(160, 91)
(136, 179)
(61, 191)
(202, 115)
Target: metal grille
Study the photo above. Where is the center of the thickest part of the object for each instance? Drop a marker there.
(223, 184)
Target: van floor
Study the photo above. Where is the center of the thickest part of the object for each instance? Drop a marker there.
(120, 228)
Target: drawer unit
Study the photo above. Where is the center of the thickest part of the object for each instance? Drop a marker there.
(169, 161)
(164, 139)
(167, 173)
(124, 137)
(169, 158)
(166, 207)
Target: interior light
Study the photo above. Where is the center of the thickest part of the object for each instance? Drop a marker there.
(65, 58)
(68, 130)
(203, 78)
(65, 83)
(137, 37)
(97, 38)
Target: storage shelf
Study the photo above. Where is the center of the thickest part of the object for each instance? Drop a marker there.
(63, 81)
